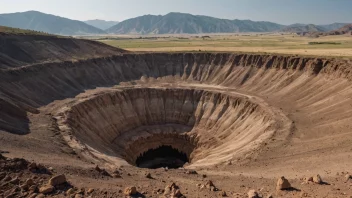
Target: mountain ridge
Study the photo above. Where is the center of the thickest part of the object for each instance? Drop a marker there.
(171, 23)
(174, 23)
(38, 21)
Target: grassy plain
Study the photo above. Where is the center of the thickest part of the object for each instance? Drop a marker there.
(340, 46)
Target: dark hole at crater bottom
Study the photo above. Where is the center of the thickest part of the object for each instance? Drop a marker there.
(164, 156)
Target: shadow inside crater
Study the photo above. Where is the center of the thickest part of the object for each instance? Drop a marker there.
(164, 156)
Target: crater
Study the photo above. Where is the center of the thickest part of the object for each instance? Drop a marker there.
(165, 127)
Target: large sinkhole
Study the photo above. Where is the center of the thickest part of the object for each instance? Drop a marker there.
(164, 127)
(164, 156)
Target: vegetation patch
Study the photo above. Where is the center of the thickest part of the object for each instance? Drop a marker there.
(324, 43)
(9, 30)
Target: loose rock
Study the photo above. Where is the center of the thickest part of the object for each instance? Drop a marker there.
(78, 196)
(191, 172)
(253, 194)
(148, 175)
(308, 179)
(57, 180)
(32, 166)
(283, 184)
(317, 179)
(40, 196)
(223, 194)
(70, 191)
(210, 185)
(116, 174)
(130, 191)
(46, 189)
(173, 191)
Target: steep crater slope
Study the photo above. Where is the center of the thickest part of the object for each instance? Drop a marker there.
(311, 95)
(24, 50)
(208, 127)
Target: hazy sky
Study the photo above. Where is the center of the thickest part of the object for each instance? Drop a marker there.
(280, 11)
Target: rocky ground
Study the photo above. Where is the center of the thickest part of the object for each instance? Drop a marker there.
(255, 125)
(21, 178)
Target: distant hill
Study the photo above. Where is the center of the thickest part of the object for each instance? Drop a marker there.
(33, 20)
(178, 23)
(347, 29)
(333, 26)
(101, 24)
(298, 28)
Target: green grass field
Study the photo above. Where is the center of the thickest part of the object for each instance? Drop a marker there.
(284, 44)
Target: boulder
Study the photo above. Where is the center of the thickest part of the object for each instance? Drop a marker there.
(348, 177)
(283, 184)
(57, 180)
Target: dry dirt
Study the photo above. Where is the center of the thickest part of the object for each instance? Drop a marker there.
(242, 120)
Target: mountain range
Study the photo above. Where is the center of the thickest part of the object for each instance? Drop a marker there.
(172, 23)
(179, 23)
(33, 20)
(312, 28)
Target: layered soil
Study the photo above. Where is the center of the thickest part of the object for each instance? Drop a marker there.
(24, 50)
(243, 120)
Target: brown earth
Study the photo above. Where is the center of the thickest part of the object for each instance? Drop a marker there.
(242, 120)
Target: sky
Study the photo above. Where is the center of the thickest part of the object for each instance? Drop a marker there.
(279, 11)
